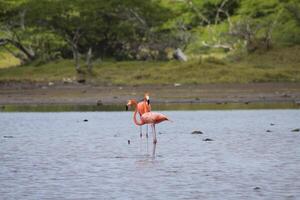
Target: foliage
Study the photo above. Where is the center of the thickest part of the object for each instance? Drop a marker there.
(41, 31)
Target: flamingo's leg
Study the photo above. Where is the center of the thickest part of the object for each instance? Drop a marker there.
(154, 148)
(147, 146)
(147, 138)
(147, 131)
(141, 132)
(154, 135)
(154, 140)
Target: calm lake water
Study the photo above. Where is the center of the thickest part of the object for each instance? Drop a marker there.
(254, 155)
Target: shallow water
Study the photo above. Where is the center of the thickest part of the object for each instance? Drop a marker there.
(59, 156)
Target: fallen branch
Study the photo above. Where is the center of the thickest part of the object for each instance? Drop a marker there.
(218, 46)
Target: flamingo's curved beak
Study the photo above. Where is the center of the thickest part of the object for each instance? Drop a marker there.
(126, 108)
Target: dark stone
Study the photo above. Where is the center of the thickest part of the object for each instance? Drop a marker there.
(296, 130)
(81, 81)
(99, 103)
(8, 136)
(197, 132)
(272, 124)
(268, 131)
(286, 95)
(119, 157)
(85, 120)
(256, 188)
(207, 140)
(128, 141)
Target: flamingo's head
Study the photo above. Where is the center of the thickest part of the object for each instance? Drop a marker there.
(147, 98)
(130, 103)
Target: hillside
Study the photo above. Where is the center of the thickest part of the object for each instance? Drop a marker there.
(132, 43)
(278, 65)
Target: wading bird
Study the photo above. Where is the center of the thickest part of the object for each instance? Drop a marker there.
(142, 107)
(148, 118)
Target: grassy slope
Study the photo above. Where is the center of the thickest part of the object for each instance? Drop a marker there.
(279, 65)
(7, 60)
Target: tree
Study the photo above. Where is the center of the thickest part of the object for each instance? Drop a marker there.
(256, 22)
(294, 8)
(14, 30)
(22, 36)
(210, 15)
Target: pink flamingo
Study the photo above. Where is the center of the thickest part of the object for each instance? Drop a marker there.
(142, 107)
(148, 118)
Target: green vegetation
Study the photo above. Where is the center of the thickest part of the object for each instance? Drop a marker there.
(133, 42)
(280, 65)
(8, 60)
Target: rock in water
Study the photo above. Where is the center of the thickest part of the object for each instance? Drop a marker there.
(8, 136)
(256, 188)
(197, 132)
(296, 130)
(207, 140)
(128, 141)
(85, 120)
(268, 131)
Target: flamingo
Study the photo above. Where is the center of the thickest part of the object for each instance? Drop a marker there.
(142, 107)
(152, 118)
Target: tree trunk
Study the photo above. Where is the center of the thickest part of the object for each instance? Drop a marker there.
(76, 57)
(30, 55)
(89, 60)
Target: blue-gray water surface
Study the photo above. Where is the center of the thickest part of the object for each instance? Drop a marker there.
(254, 155)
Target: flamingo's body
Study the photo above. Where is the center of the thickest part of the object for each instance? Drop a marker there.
(142, 108)
(152, 118)
(148, 118)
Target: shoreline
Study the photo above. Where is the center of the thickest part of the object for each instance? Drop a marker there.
(87, 94)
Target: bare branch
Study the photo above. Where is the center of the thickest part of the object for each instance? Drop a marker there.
(197, 11)
(220, 9)
(218, 46)
(22, 19)
(138, 17)
(228, 18)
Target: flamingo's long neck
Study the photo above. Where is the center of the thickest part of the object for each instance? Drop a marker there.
(146, 106)
(134, 117)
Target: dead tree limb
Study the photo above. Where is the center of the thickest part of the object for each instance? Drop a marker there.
(89, 59)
